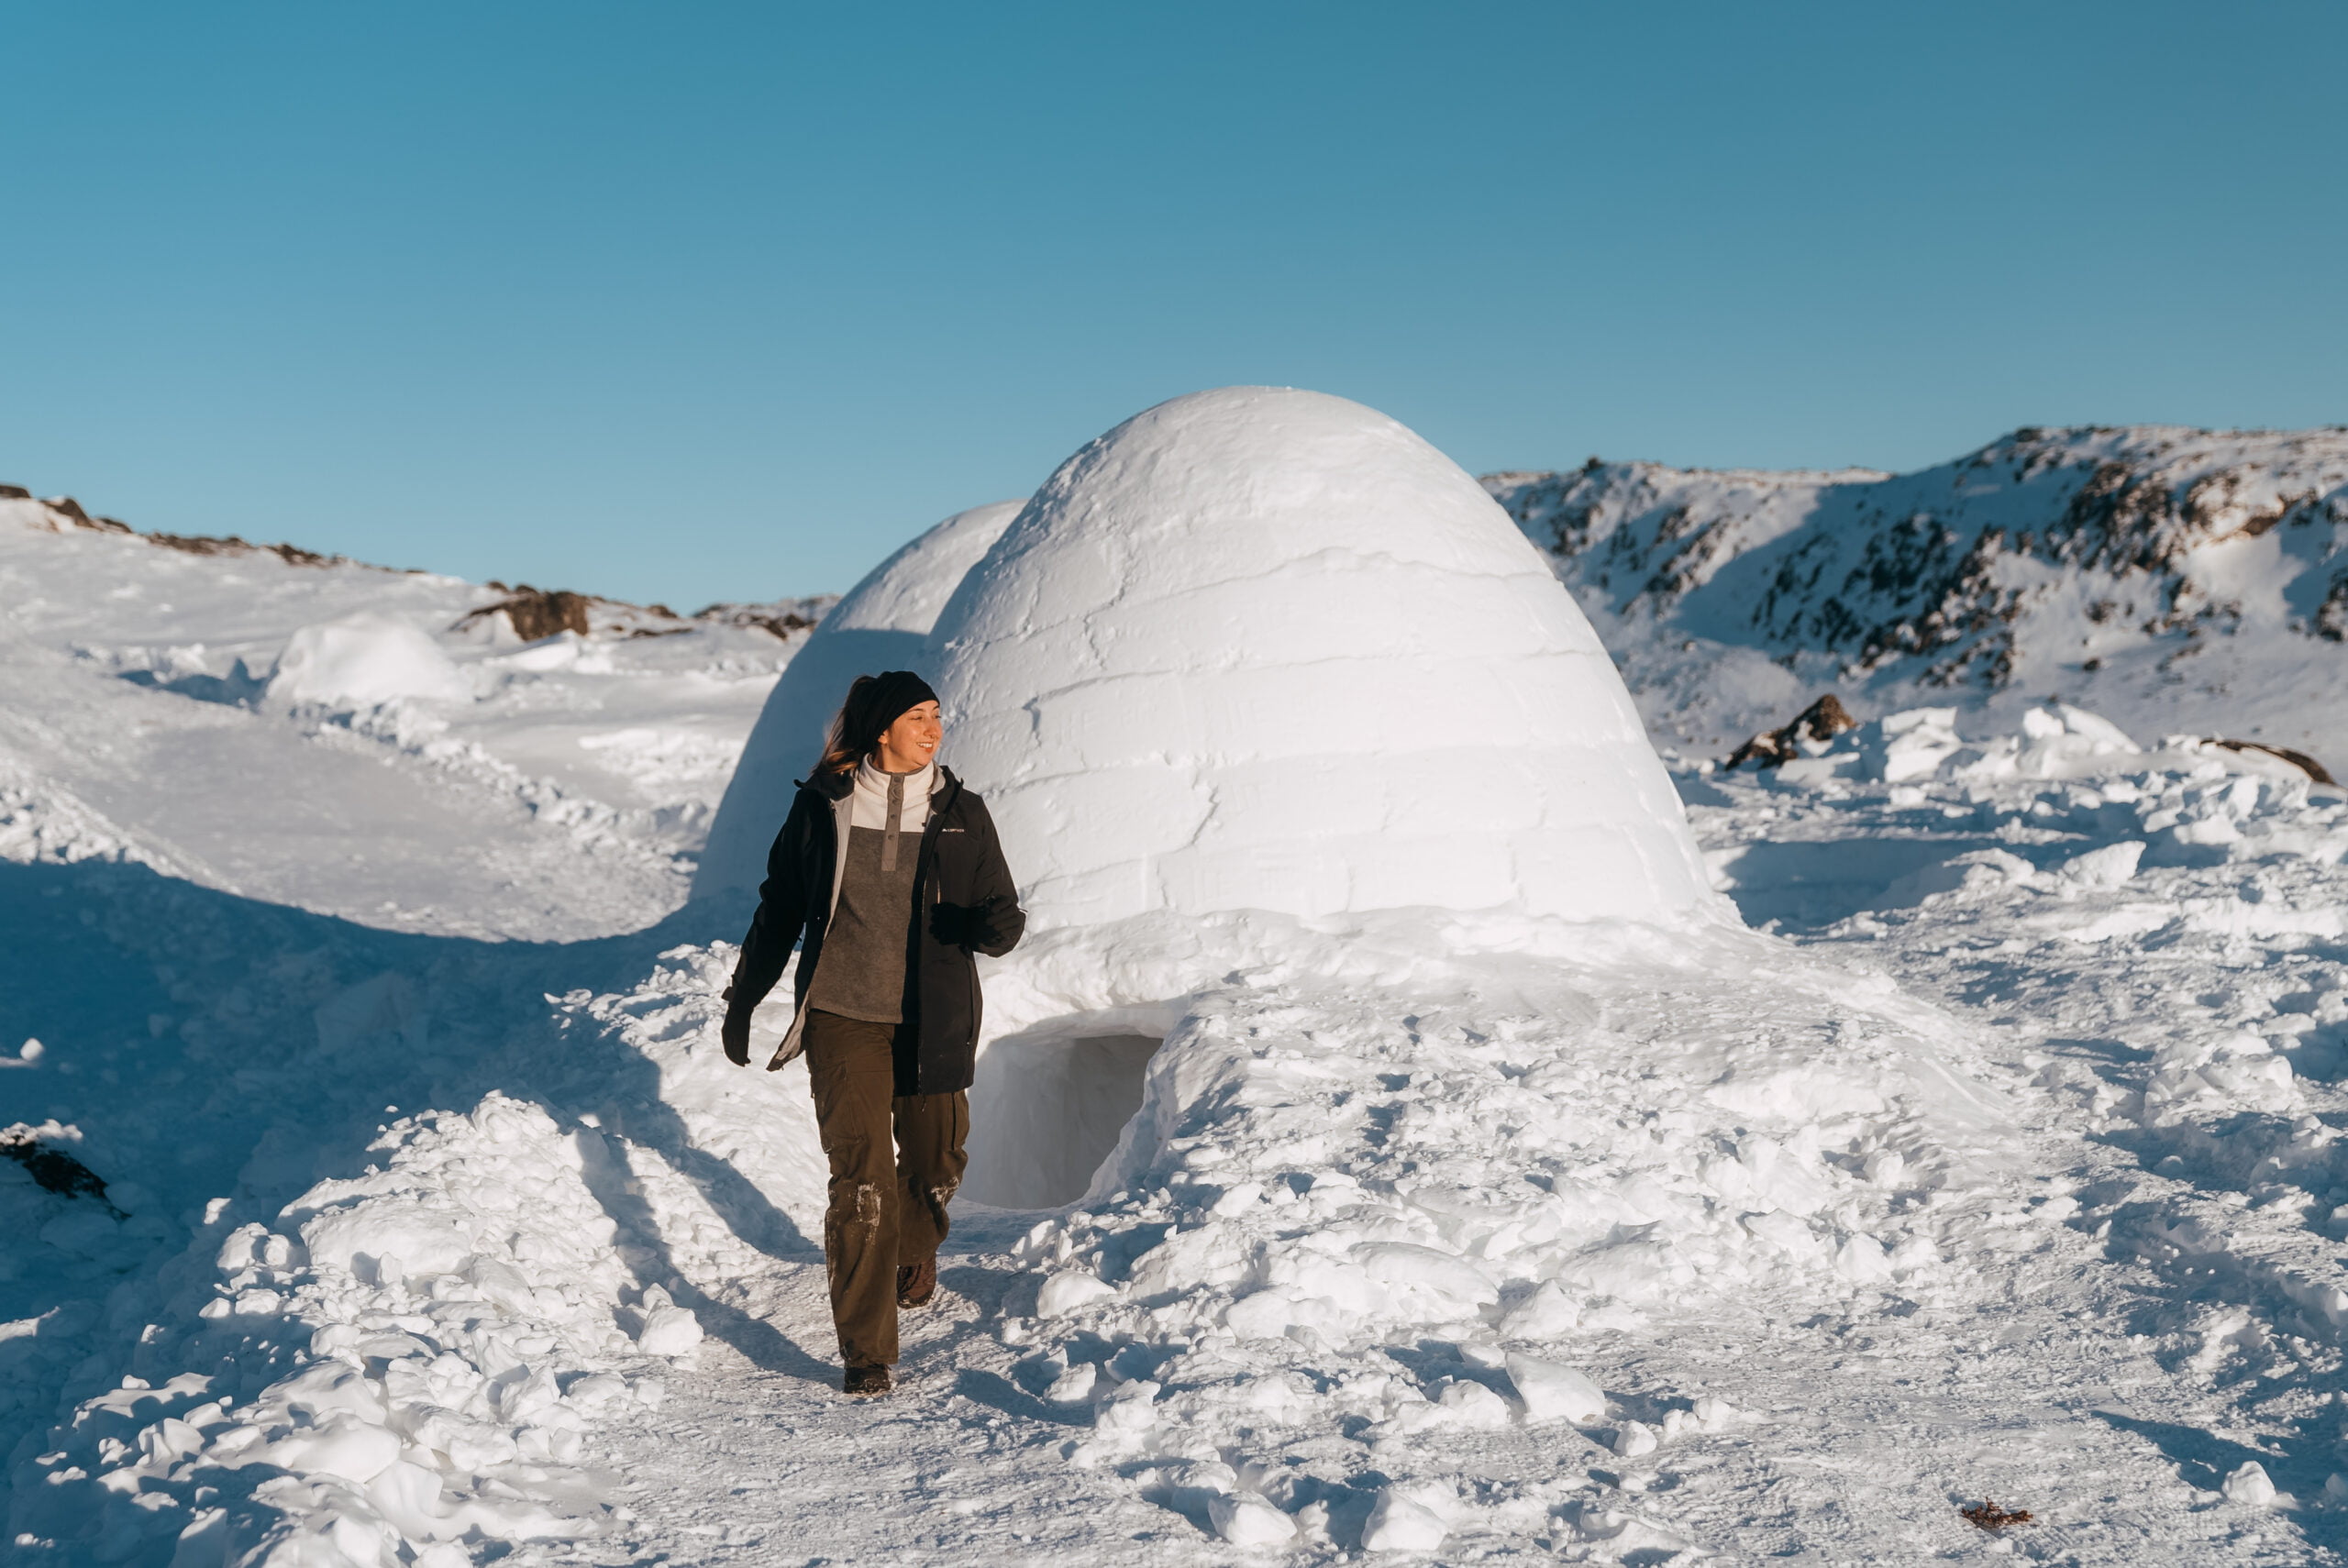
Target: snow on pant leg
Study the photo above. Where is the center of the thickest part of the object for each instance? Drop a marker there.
(850, 1071)
(931, 1131)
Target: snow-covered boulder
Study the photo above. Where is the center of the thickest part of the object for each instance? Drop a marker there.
(1265, 648)
(883, 624)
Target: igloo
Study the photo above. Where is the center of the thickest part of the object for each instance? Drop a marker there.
(883, 624)
(1265, 648)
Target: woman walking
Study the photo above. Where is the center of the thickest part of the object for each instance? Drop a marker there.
(888, 875)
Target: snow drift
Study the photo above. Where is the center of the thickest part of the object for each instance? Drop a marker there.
(365, 658)
(1263, 648)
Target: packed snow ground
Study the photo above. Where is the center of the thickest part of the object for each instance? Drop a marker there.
(2002, 1168)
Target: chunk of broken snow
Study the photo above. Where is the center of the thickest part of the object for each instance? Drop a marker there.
(1553, 1393)
(2250, 1487)
(1249, 1521)
(1456, 1285)
(1548, 1313)
(668, 1329)
(1633, 1438)
(2105, 868)
(1398, 1524)
(1066, 1291)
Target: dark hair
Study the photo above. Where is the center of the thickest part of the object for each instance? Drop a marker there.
(874, 702)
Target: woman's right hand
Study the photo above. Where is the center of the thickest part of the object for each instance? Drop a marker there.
(735, 1032)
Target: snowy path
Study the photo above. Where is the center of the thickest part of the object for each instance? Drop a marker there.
(1879, 1430)
(2033, 1387)
(760, 1461)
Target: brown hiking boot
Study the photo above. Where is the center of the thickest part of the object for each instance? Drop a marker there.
(865, 1381)
(917, 1282)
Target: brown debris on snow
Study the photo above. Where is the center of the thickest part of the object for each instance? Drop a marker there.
(784, 626)
(536, 613)
(65, 514)
(65, 507)
(1822, 720)
(2299, 759)
(1987, 1515)
(52, 1169)
(229, 544)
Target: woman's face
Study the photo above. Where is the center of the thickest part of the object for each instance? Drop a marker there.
(911, 741)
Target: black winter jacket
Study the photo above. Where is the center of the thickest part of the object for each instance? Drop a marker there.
(964, 902)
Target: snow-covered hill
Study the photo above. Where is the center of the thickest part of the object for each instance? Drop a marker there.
(340, 938)
(401, 748)
(2174, 581)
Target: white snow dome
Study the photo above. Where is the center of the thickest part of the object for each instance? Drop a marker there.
(365, 658)
(1265, 648)
(883, 624)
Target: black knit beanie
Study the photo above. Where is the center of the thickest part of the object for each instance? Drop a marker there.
(876, 702)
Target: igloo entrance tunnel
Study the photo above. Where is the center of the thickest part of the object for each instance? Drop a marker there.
(1047, 1109)
(1254, 650)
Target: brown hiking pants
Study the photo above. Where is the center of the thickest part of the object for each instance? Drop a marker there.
(886, 1208)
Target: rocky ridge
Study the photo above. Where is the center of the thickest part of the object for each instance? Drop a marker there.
(2151, 569)
(531, 613)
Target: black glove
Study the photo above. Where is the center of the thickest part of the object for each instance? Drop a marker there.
(950, 923)
(736, 1030)
(965, 925)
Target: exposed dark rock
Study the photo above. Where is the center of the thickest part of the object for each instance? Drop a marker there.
(70, 509)
(536, 613)
(14, 492)
(2299, 759)
(2331, 616)
(53, 1170)
(666, 614)
(785, 625)
(1822, 720)
(229, 544)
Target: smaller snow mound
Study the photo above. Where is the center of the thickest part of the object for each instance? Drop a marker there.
(364, 659)
(881, 624)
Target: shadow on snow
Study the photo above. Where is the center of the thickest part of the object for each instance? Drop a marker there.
(212, 1047)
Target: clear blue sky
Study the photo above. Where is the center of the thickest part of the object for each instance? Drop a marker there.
(695, 301)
